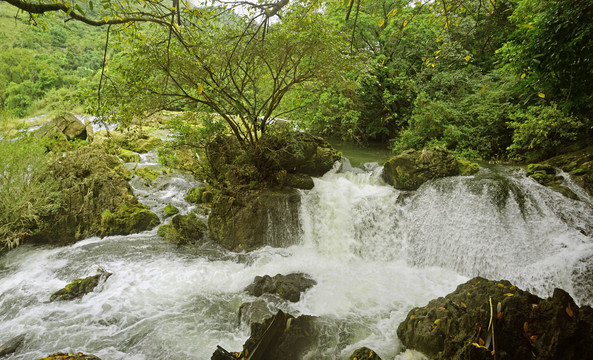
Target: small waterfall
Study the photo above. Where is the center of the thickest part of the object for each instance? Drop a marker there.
(497, 224)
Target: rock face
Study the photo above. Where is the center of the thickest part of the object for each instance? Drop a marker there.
(66, 124)
(80, 287)
(546, 175)
(412, 168)
(11, 345)
(97, 199)
(253, 219)
(288, 287)
(279, 337)
(482, 316)
(579, 165)
(184, 230)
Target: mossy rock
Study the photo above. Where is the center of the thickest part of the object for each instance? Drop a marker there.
(127, 219)
(147, 174)
(579, 164)
(412, 168)
(467, 168)
(64, 356)
(80, 287)
(545, 174)
(171, 210)
(128, 156)
(194, 195)
(66, 124)
(364, 353)
(456, 326)
(184, 230)
(295, 180)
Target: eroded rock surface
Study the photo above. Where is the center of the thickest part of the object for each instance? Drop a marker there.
(288, 287)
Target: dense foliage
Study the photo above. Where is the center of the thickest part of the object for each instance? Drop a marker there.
(46, 67)
(504, 79)
(28, 197)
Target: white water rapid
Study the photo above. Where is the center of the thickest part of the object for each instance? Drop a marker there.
(375, 253)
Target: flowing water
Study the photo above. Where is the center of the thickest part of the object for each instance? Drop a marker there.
(375, 253)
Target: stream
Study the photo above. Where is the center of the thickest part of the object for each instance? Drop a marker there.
(374, 251)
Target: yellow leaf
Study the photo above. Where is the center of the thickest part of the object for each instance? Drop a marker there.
(463, 304)
(413, 316)
(569, 311)
(483, 87)
(200, 89)
(501, 285)
(509, 294)
(467, 58)
(525, 327)
(542, 95)
(481, 341)
(381, 22)
(437, 321)
(405, 23)
(439, 38)
(523, 76)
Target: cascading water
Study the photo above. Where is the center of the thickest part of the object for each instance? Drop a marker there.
(375, 253)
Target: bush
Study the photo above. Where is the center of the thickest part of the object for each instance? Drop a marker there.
(541, 132)
(28, 196)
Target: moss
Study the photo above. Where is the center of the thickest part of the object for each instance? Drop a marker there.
(128, 156)
(541, 168)
(194, 195)
(467, 168)
(184, 229)
(127, 219)
(171, 210)
(148, 174)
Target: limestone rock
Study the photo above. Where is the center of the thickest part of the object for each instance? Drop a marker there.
(80, 287)
(97, 199)
(288, 287)
(184, 230)
(253, 219)
(458, 325)
(66, 124)
(364, 353)
(11, 345)
(412, 168)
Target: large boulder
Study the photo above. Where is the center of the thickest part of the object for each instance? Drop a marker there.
(481, 318)
(252, 219)
(184, 230)
(97, 199)
(412, 168)
(80, 287)
(288, 287)
(66, 124)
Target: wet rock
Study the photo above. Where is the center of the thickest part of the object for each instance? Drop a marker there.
(252, 219)
(364, 353)
(412, 168)
(11, 345)
(97, 199)
(184, 230)
(64, 356)
(80, 287)
(545, 174)
(579, 164)
(482, 316)
(128, 156)
(170, 210)
(254, 312)
(279, 337)
(66, 124)
(288, 287)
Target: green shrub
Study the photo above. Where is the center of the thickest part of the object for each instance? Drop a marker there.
(28, 194)
(541, 131)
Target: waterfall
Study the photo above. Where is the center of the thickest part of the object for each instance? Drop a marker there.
(374, 251)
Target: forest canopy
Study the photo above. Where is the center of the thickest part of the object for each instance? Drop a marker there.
(487, 79)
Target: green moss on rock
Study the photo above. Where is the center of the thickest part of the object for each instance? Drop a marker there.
(184, 230)
(127, 219)
(170, 210)
(412, 168)
(148, 174)
(194, 195)
(128, 156)
(467, 168)
(79, 287)
(364, 353)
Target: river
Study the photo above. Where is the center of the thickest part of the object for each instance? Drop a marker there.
(374, 251)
